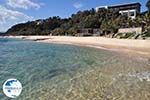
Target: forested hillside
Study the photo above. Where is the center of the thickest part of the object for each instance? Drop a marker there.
(105, 19)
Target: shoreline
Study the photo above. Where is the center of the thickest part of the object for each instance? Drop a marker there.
(128, 46)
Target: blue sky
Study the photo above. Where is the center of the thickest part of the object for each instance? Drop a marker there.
(17, 11)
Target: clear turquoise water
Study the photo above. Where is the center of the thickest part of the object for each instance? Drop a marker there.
(60, 72)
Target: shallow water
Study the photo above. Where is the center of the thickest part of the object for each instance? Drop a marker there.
(65, 72)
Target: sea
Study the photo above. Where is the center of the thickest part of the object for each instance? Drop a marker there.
(49, 71)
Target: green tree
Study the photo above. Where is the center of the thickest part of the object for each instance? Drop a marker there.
(58, 31)
(72, 31)
(148, 5)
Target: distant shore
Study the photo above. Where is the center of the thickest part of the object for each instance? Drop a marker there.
(129, 46)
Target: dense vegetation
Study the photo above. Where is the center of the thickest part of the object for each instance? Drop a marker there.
(2, 33)
(107, 20)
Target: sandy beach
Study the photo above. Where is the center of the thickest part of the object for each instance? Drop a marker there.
(130, 46)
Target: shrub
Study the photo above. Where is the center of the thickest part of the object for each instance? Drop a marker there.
(124, 35)
(128, 35)
(147, 34)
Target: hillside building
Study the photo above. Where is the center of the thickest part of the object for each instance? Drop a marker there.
(130, 9)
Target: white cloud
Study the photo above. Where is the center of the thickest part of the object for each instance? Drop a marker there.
(24, 4)
(78, 5)
(10, 17)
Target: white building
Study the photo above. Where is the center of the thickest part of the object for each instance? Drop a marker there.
(131, 9)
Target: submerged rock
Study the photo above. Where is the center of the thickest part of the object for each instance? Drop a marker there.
(142, 76)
